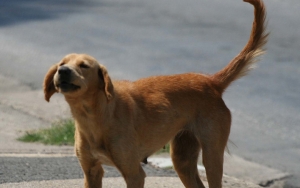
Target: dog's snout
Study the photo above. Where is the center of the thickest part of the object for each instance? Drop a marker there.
(63, 70)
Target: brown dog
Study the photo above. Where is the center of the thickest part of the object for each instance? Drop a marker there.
(121, 123)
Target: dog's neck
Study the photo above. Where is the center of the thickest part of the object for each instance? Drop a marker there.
(90, 112)
(90, 105)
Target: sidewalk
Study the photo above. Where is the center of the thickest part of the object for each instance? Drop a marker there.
(23, 109)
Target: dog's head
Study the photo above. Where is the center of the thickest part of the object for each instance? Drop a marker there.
(75, 75)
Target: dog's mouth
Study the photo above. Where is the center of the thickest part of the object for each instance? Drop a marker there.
(67, 87)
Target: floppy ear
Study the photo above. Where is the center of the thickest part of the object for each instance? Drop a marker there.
(49, 88)
(107, 84)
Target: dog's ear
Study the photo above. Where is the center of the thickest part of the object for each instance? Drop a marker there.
(49, 88)
(106, 83)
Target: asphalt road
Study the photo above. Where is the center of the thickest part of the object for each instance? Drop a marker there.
(57, 168)
(139, 38)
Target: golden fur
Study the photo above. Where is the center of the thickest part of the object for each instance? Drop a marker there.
(121, 123)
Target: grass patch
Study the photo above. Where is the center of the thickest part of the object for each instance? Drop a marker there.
(165, 149)
(60, 133)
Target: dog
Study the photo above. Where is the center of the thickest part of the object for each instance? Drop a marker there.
(121, 123)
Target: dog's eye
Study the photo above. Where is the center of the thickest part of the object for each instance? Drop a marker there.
(61, 64)
(82, 65)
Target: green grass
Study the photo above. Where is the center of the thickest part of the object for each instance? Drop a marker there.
(60, 133)
(165, 149)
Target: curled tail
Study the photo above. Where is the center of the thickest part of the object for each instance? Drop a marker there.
(245, 60)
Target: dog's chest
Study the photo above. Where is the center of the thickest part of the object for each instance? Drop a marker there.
(94, 142)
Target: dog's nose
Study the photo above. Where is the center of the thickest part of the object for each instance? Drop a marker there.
(63, 70)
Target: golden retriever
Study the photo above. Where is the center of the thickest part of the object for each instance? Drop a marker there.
(121, 123)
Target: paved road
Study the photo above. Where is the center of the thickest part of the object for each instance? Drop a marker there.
(135, 39)
(57, 168)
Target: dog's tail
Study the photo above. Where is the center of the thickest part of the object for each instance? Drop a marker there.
(245, 60)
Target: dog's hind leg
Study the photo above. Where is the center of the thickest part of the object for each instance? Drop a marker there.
(213, 162)
(213, 139)
(185, 149)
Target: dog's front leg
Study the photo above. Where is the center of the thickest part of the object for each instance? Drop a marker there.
(133, 175)
(136, 180)
(93, 176)
(93, 171)
(128, 164)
